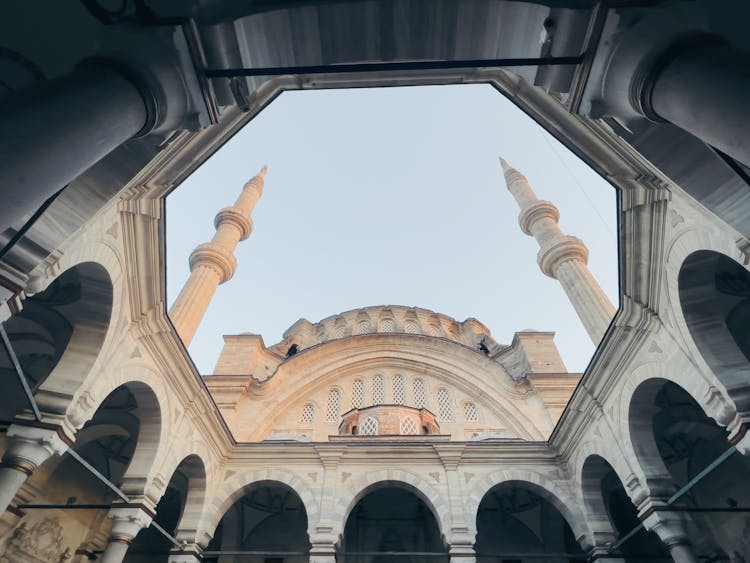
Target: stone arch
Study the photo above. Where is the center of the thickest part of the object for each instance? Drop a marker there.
(59, 334)
(593, 470)
(563, 500)
(348, 498)
(194, 469)
(714, 292)
(236, 485)
(636, 433)
(153, 424)
(692, 242)
(178, 510)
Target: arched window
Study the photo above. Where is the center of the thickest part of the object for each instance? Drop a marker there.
(434, 330)
(411, 327)
(398, 390)
(358, 394)
(420, 394)
(409, 426)
(369, 427)
(445, 409)
(340, 331)
(334, 402)
(307, 416)
(363, 327)
(378, 392)
(470, 412)
(388, 326)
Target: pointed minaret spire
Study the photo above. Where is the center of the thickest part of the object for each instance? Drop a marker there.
(213, 263)
(562, 257)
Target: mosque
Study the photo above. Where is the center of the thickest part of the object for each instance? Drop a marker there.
(386, 434)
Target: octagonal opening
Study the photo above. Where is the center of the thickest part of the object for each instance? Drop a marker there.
(392, 197)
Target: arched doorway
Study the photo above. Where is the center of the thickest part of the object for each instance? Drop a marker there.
(611, 509)
(671, 433)
(715, 299)
(61, 328)
(267, 524)
(515, 523)
(391, 524)
(63, 505)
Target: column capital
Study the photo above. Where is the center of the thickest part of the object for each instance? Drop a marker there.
(462, 553)
(32, 443)
(322, 552)
(128, 520)
(188, 553)
(668, 525)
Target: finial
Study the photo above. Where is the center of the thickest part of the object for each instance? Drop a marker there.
(506, 167)
(263, 171)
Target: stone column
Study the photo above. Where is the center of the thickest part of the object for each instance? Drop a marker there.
(51, 134)
(562, 257)
(701, 85)
(213, 263)
(28, 446)
(670, 528)
(128, 520)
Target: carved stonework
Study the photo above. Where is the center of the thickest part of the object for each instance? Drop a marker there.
(42, 542)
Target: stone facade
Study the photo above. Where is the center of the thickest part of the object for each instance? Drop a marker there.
(114, 385)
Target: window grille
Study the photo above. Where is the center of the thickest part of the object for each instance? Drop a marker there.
(398, 390)
(340, 331)
(411, 327)
(334, 401)
(369, 427)
(470, 412)
(388, 326)
(434, 330)
(420, 395)
(307, 416)
(363, 327)
(445, 412)
(408, 426)
(358, 394)
(378, 394)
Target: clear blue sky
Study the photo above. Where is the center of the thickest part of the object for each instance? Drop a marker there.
(391, 196)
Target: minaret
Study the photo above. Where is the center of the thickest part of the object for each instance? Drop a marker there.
(213, 263)
(561, 256)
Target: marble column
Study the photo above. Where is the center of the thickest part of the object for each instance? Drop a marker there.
(670, 527)
(52, 133)
(562, 257)
(701, 85)
(213, 263)
(27, 448)
(127, 521)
